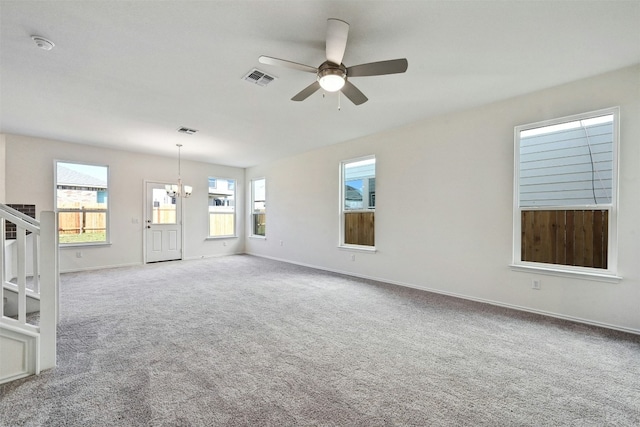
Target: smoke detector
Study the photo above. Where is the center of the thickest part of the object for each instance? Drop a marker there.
(43, 43)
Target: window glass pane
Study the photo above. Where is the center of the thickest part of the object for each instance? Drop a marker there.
(565, 237)
(259, 224)
(221, 225)
(567, 164)
(258, 198)
(81, 185)
(82, 202)
(221, 207)
(353, 190)
(164, 207)
(82, 227)
(359, 184)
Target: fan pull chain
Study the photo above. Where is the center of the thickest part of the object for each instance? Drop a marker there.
(339, 100)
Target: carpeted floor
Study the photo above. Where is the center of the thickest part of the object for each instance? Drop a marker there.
(245, 341)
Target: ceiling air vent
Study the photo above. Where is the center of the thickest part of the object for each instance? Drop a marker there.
(187, 130)
(258, 77)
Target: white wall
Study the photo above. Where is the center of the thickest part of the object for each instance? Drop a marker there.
(2, 168)
(29, 179)
(444, 197)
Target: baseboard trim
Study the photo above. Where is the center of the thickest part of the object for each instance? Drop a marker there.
(465, 297)
(133, 264)
(100, 267)
(213, 256)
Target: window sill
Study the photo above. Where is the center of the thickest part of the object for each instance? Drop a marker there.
(358, 248)
(258, 237)
(575, 274)
(220, 237)
(82, 245)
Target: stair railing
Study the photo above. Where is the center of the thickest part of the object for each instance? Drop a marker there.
(44, 283)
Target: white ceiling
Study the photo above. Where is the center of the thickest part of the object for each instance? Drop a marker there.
(127, 74)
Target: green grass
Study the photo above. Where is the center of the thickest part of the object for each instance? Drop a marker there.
(100, 237)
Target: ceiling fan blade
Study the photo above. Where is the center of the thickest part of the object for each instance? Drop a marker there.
(353, 93)
(288, 64)
(392, 66)
(306, 92)
(337, 32)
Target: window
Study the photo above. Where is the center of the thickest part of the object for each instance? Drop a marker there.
(258, 206)
(222, 207)
(82, 203)
(165, 209)
(566, 191)
(358, 202)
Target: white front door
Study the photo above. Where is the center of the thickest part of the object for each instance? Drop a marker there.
(163, 232)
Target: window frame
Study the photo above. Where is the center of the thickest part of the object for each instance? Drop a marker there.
(608, 274)
(342, 209)
(252, 211)
(107, 211)
(234, 213)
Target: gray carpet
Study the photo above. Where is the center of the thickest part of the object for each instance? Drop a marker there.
(244, 341)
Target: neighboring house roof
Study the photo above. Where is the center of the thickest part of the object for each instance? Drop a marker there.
(352, 193)
(71, 178)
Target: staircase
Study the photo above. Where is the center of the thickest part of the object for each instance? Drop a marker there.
(29, 278)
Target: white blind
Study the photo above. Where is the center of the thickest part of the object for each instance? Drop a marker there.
(567, 164)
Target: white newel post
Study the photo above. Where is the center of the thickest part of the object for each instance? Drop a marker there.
(48, 289)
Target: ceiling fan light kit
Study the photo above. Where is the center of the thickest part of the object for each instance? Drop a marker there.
(332, 75)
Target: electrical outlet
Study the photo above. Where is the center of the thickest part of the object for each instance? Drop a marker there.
(281, 243)
(224, 243)
(353, 257)
(78, 254)
(535, 284)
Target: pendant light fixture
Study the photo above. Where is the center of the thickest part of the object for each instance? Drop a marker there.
(178, 190)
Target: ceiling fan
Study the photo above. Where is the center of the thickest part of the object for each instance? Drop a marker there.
(333, 75)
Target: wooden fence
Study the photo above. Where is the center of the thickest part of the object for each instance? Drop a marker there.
(359, 228)
(221, 224)
(565, 237)
(164, 214)
(83, 221)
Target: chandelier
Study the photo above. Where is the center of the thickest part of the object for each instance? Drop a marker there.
(179, 189)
